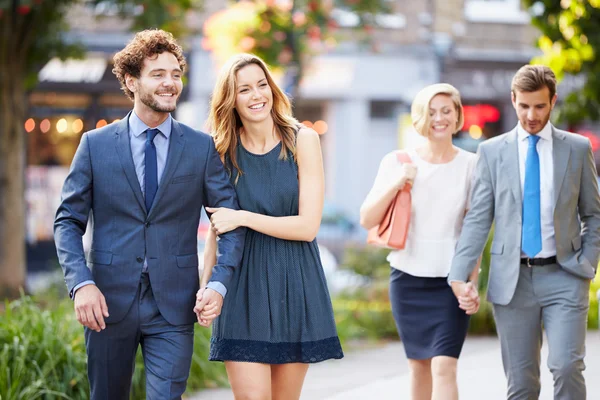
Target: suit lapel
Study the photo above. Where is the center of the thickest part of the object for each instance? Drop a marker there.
(561, 150)
(176, 142)
(510, 166)
(123, 145)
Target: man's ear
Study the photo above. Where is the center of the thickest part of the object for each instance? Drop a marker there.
(131, 82)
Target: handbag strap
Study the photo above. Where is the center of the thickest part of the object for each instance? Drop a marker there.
(403, 157)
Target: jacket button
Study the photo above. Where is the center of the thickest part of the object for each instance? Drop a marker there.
(139, 259)
(147, 224)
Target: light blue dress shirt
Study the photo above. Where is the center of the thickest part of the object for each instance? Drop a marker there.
(137, 138)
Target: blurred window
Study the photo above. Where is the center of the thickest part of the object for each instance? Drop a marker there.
(498, 11)
(383, 109)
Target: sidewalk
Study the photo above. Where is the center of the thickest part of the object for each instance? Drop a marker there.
(381, 374)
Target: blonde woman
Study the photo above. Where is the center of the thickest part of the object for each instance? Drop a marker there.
(277, 315)
(429, 318)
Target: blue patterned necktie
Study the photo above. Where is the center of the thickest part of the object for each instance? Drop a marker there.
(151, 173)
(531, 236)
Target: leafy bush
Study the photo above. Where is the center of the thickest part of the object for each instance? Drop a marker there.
(370, 262)
(365, 313)
(42, 355)
(593, 313)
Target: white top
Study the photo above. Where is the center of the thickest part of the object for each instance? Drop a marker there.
(440, 198)
(544, 148)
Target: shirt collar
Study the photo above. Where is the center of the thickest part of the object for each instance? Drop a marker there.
(545, 133)
(137, 126)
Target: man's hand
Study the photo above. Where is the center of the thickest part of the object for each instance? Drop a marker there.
(208, 306)
(90, 307)
(467, 296)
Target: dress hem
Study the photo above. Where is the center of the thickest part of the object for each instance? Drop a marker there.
(275, 353)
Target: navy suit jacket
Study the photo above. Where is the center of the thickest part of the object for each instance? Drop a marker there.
(102, 184)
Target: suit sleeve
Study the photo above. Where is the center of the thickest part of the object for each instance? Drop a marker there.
(72, 217)
(477, 222)
(219, 192)
(589, 209)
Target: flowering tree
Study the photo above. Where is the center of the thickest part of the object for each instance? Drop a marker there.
(570, 41)
(284, 33)
(31, 33)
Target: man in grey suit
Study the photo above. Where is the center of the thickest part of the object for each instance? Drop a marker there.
(144, 181)
(539, 185)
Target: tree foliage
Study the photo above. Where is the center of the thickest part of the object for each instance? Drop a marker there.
(570, 42)
(285, 33)
(31, 33)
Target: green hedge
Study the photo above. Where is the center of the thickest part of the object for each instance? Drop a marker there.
(366, 313)
(42, 355)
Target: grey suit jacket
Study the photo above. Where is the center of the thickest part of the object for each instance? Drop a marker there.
(102, 180)
(496, 196)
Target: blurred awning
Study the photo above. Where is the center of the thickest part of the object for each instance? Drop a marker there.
(92, 74)
(89, 70)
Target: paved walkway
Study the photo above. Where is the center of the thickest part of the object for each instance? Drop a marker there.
(381, 374)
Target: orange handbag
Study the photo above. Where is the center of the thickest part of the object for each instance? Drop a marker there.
(393, 229)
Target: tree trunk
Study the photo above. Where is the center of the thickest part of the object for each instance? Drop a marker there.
(12, 185)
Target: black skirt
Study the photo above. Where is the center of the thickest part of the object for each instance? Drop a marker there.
(427, 316)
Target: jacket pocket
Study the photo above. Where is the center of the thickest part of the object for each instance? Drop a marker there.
(497, 248)
(576, 243)
(100, 257)
(184, 178)
(187, 261)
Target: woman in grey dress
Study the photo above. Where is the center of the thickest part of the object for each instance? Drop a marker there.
(277, 315)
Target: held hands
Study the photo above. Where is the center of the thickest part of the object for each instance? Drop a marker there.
(90, 307)
(208, 306)
(405, 173)
(223, 220)
(467, 296)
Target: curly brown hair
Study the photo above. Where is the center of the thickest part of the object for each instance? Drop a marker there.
(147, 43)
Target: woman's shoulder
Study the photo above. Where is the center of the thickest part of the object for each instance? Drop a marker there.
(466, 156)
(303, 132)
(392, 157)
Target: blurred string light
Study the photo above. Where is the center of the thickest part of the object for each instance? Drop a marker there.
(45, 125)
(475, 132)
(62, 125)
(116, 120)
(101, 123)
(29, 125)
(320, 127)
(77, 125)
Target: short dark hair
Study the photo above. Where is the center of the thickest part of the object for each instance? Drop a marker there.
(531, 78)
(147, 43)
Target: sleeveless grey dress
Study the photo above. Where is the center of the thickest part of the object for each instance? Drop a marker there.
(277, 309)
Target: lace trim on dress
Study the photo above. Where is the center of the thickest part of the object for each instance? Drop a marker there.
(275, 353)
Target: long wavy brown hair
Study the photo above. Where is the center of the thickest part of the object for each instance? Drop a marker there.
(224, 122)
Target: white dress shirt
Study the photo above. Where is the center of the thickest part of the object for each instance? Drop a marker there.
(544, 149)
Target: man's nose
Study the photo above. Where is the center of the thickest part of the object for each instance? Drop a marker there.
(531, 115)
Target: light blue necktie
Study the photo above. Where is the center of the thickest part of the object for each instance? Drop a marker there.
(151, 172)
(531, 236)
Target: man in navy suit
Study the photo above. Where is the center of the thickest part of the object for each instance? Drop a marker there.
(143, 181)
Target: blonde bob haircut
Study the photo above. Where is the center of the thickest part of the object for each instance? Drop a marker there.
(419, 110)
(224, 122)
